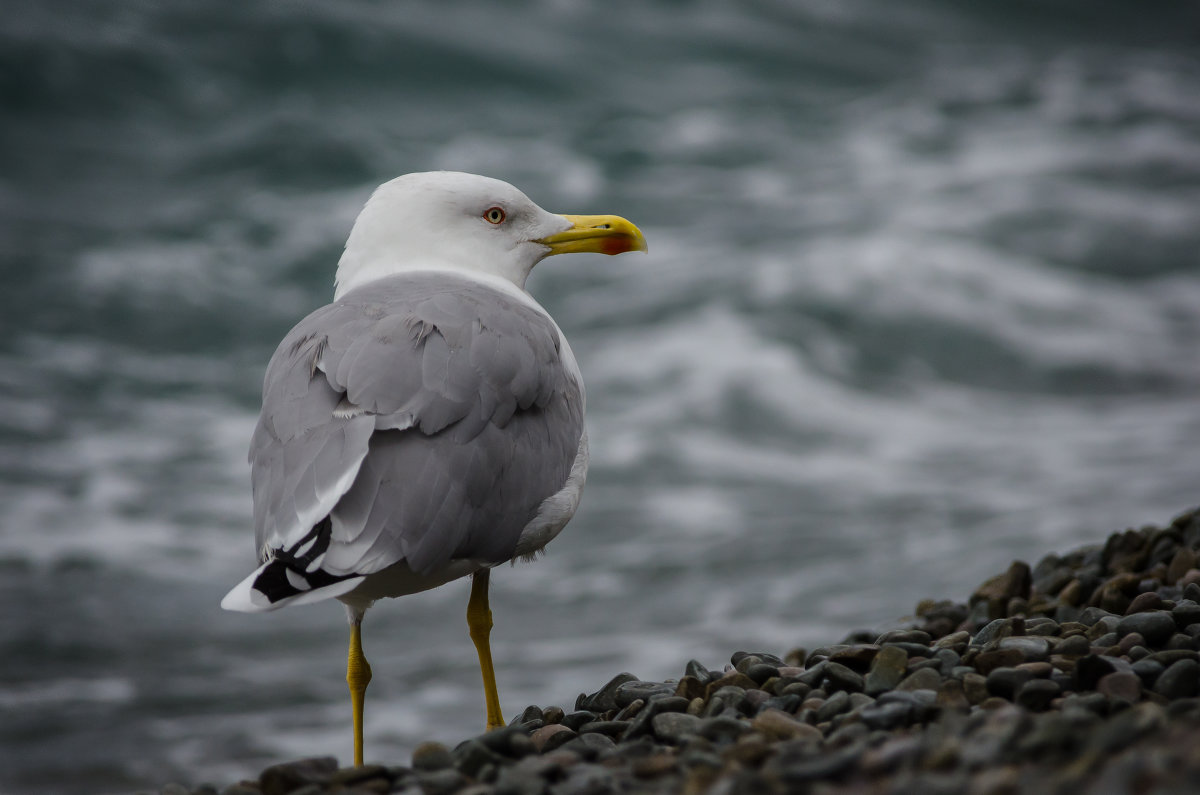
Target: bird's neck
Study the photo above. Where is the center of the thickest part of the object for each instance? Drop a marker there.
(354, 272)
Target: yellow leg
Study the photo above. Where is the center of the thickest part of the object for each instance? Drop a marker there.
(479, 622)
(358, 676)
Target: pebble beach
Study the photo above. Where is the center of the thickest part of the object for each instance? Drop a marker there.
(1078, 674)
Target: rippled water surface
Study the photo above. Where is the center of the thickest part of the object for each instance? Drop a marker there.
(922, 295)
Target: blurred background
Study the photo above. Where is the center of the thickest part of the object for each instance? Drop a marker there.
(922, 296)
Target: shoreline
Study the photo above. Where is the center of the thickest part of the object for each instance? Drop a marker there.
(1078, 674)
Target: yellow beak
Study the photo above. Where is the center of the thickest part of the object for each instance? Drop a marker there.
(598, 234)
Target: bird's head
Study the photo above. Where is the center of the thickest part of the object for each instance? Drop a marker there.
(444, 219)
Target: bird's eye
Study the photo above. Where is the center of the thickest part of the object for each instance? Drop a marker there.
(495, 215)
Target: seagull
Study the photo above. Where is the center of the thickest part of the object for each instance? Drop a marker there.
(427, 425)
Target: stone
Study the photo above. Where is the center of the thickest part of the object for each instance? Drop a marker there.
(840, 677)
(886, 716)
(951, 695)
(761, 672)
(605, 698)
(1183, 560)
(724, 729)
(1074, 646)
(924, 679)
(1148, 600)
(690, 687)
(576, 719)
(1121, 684)
(697, 670)
(1148, 671)
(975, 688)
(987, 661)
(778, 725)
(1090, 669)
(1031, 648)
(857, 657)
(284, 778)
(674, 727)
(1036, 694)
(431, 756)
(955, 640)
(836, 704)
(887, 670)
(1179, 680)
(550, 737)
(732, 679)
(1155, 626)
(612, 728)
(1016, 582)
(628, 692)
(472, 756)
(1005, 682)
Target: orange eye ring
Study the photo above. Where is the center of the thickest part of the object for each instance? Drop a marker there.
(495, 215)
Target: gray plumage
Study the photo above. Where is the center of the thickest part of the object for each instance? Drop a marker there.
(422, 417)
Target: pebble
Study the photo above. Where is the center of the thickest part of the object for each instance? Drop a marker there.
(674, 727)
(1156, 626)
(887, 670)
(840, 677)
(1082, 669)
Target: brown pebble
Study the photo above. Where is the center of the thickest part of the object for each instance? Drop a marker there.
(975, 688)
(1121, 684)
(988, 661)
(777, 724)
(1143, 602)
(1038, 670)
(690, 687)
(1184, 560)
(654, 765)
(749, 749)
(1071, 594)
(1131, 640)
(735, 678)
(542, 736)
(1192, 575)
(952, 696)
(994, 702)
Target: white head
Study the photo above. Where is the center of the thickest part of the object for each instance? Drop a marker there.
(446, 219)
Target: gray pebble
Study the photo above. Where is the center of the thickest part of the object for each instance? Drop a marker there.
(696, 669)
(1036, 694)
(886, 716)
(1033, 649)
(1006, 682)
(432, 756)
(993, 631)
(1179, 680)
(722, 728)
(578, 718)
(924, 679)
(836, 704)
(613, 728)
(674, 727)
(1148, 671)
(887, 670)
(840, 677)
(605, 698)
(1156, 626)
(628, 692)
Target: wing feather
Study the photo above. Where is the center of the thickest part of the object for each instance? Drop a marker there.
(423, 418)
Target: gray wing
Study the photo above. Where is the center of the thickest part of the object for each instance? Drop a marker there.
(424, 417)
